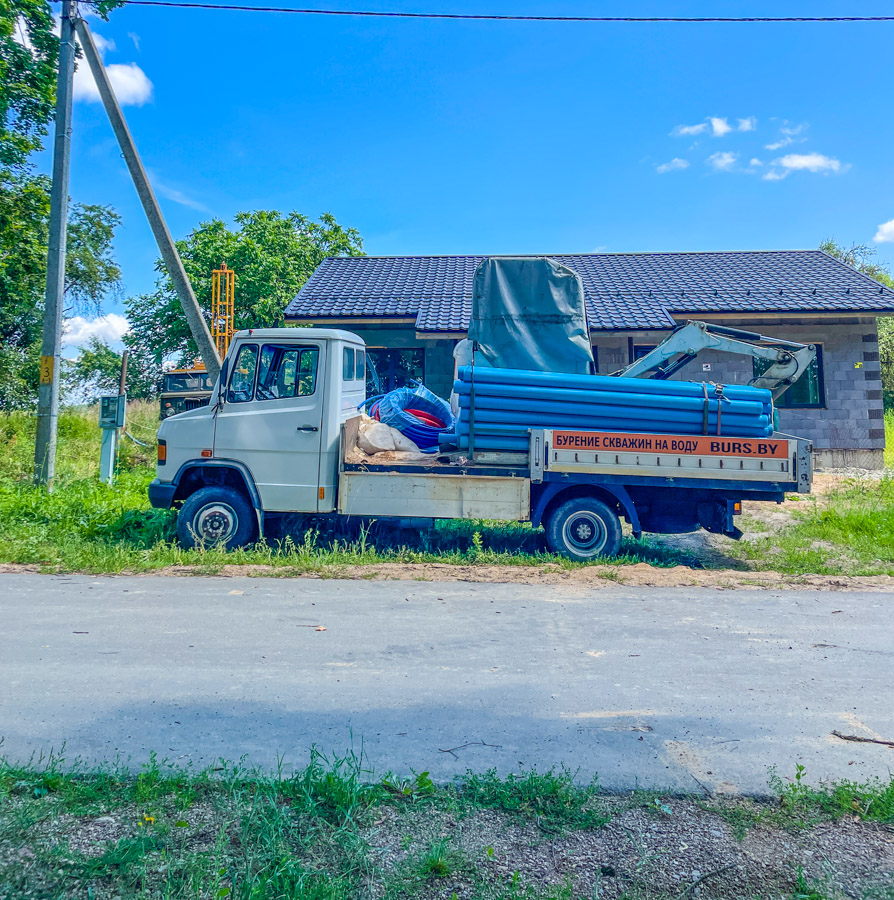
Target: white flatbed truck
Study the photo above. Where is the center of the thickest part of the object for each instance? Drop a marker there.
(282, 424)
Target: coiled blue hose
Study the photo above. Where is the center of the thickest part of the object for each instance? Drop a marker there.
(393, 411)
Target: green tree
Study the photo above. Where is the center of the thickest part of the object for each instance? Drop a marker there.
(29, 53)
(29, 58)
(861, 257)
(272, 254)
(97, 370)
(90, 275)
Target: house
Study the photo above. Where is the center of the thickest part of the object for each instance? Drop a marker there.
(411, 310)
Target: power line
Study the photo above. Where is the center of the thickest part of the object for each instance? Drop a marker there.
(504, 18)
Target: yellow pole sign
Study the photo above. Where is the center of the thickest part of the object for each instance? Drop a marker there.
(47, 364)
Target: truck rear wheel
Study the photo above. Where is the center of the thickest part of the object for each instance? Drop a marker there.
(216, 516)
(583, 529)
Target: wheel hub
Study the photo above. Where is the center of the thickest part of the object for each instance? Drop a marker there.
(586, 533)
(215, 522)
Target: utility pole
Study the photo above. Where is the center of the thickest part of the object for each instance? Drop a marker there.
(50, 348)
(197, 325)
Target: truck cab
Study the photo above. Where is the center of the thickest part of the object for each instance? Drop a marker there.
(267, 441)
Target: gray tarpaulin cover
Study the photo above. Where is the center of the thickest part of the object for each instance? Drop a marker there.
(529, 313)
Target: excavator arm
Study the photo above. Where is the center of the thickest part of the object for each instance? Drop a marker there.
(787, 360)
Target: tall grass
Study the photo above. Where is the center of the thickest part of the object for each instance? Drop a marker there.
(77, 452)
(889, 438)
(850, 533)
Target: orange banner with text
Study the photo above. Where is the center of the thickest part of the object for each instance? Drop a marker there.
(701, 445)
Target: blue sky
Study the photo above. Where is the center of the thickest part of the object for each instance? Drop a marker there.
(470, 137)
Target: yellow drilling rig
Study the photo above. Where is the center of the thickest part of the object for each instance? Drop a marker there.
(189, 388)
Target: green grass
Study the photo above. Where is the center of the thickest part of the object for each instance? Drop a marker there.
(889, 438)
(849, 532)
(228, 832)
(871, 800)
(552, 799)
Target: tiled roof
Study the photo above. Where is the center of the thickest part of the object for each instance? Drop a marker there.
(623, 290)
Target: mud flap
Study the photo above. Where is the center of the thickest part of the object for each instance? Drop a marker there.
(716, 516)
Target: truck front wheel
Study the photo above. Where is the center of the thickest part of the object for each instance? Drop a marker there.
(583, 529)
(216, 516)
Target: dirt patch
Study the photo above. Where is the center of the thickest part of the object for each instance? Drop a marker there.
(678, 849)
(588, 577)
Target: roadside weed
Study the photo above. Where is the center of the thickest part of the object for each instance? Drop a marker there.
(808, 889)
(552, 799)
(440, 859)
(872, 799)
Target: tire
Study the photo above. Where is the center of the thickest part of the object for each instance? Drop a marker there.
(216, 517)
(583, 529)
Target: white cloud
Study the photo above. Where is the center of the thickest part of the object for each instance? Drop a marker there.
(814, 162)
(719, 127)
(102, 44)
(790, 135)
(688, 130)
(78, 330)
(130, 83)
(885, 233)
(722, 162)
(755, 162)
(672, 166)
(135, 38)
(175, 194)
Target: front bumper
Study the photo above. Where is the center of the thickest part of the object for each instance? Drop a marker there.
(161, 493)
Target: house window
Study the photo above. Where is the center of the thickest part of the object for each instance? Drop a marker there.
(397, 368)
(638, 351)
(808, 392)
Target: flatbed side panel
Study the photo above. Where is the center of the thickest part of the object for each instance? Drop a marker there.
(375, 494)
(673, 456)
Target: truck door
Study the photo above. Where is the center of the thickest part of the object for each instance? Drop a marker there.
(272, 420)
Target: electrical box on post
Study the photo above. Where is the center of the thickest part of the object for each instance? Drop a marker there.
(111, 411)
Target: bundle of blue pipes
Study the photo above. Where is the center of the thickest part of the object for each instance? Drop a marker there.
(503, 404)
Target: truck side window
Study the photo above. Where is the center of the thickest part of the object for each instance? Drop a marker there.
(360, 371)
(286, 372)
(307, 372)
(347, 364)
(242, 381)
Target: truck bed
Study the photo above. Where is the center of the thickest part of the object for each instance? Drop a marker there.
(498, 486)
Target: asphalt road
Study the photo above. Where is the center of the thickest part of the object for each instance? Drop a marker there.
(675, 688)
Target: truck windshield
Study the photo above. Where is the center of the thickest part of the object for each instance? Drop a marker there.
(187, 381)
